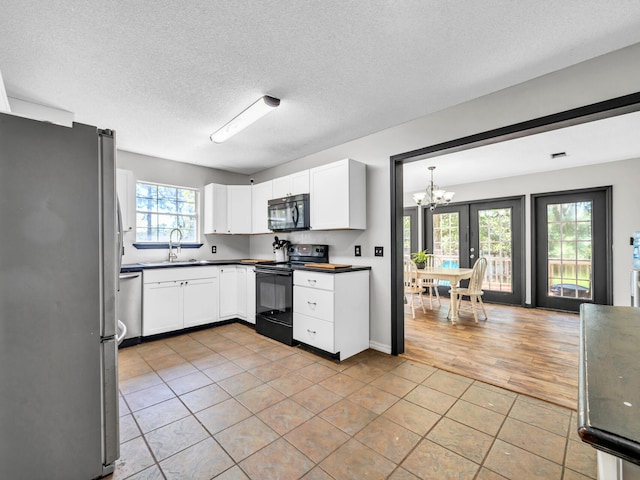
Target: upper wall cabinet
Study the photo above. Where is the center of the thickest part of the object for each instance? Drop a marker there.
(215, 208)
(126, 189)
(293, 184)
(338, 196)
(260, 196)
(238, 208)
(227, 208)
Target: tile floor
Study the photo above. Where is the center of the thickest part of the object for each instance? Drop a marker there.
(227, 403)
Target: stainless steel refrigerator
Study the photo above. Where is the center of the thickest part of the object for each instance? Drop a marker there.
(59, 265)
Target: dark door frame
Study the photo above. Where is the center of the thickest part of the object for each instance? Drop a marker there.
(588, 113)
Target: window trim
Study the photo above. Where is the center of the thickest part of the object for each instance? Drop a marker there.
(165, 245)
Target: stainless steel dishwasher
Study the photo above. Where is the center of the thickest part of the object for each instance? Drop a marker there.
(130, 306)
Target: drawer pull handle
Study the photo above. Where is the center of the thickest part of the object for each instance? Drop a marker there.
(311, 281)
(312, 304)
(313, 332)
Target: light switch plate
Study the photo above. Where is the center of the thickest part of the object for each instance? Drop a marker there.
(378, 251)
(357, 251)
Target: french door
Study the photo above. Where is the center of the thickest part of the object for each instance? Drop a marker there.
(410, 230)
(572, 249)
(459, 234)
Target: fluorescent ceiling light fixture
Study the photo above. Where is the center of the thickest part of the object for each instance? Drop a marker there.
(4, 100)
(255, 112)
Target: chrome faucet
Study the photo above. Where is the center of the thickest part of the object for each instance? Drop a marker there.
(174, 256)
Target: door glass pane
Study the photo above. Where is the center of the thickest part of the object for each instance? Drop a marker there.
(446, 240)
(494, 237)
(406, 235)
(569, 250)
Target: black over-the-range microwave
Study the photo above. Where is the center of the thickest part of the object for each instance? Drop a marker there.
(289, 213)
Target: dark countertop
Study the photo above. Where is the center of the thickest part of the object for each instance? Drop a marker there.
(352, 268)
(609, 380)
(138, 267)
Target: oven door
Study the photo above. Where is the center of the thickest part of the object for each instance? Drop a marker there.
(274, 296)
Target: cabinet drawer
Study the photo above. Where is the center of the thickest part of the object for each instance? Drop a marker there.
(314, 332)
(323, 281)
(314, 303)
(178, 274)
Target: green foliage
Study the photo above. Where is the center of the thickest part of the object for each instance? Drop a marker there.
(420, 257)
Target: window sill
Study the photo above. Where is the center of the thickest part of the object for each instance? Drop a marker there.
(164, 245)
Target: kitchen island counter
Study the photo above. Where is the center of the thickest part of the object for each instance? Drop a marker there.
(609, 384)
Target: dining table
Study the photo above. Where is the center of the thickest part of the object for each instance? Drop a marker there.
(453, 276)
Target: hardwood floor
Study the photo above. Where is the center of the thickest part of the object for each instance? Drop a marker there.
(529, 351)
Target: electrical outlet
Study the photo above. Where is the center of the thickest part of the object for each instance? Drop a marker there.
(358, 251)
(214, 249)
(378, 251)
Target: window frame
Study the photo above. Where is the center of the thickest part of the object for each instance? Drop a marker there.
(145, 245)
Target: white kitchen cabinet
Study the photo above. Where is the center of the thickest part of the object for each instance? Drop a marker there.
(126, 190)
(228, 292)
(239, 208)
(261, 193)
(338, 195)
(215, 208)
(227, 208)
(293, 184)
(177, 298)
(250, 288)
(241, 292)
(238, 293)
(200, 301)
(162, 308)
(331, 311)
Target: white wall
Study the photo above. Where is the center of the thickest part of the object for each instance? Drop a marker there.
(168, 172)
(602, 78)
(623, 176)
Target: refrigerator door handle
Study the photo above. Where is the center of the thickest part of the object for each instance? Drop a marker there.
(123, 329)
(110, 407)
(120, 240)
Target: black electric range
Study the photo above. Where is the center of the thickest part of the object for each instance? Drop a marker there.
(274, 290)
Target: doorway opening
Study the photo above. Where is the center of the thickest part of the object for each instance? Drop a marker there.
(601, 110)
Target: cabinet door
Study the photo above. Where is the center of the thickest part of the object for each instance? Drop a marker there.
(260, 196)
(251, 294)
(338, 196)
(200, 301)
(241, 292)
(126, 188)
(239, 208)
(162, 308)
(300, 182)
(228, 293)
(329, 196)
(281, 187)
(215, 208)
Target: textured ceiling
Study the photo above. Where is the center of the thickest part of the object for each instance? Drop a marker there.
(166, 74)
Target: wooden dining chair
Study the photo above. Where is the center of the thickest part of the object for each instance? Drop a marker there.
(474, 290)
(431, 284)
(412, 286)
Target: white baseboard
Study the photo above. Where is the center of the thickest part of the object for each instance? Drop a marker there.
(380, 347)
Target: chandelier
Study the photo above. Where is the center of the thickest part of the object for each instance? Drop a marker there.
(433, 195)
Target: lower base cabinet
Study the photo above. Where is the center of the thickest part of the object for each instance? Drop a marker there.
(331, 311)
(238, 293)
(177, 298)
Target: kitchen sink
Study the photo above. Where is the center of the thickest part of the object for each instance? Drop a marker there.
(167, 263)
